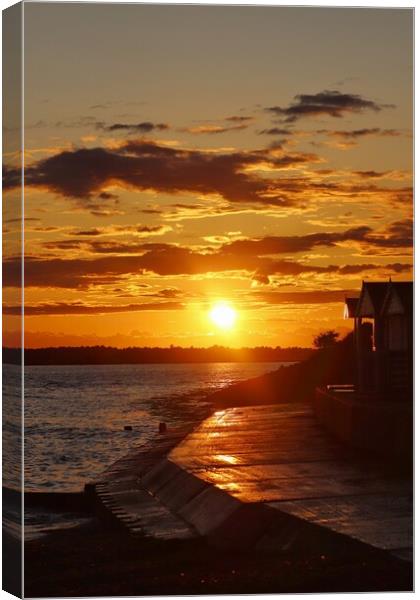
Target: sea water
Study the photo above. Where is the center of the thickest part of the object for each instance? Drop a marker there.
(75, 416)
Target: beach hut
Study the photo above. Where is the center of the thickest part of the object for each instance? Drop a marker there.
(383, 334)
(397, 316)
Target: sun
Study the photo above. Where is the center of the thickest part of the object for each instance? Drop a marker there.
(223, 315)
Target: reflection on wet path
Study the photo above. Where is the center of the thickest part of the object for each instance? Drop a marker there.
(280, 456)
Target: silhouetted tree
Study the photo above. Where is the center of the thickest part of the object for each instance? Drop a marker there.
(326, 339)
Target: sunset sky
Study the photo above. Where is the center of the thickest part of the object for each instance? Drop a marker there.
(180, 156)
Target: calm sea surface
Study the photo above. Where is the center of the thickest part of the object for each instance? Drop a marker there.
(75, 415)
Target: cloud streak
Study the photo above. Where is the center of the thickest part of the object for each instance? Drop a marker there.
(81, 308)
(214, 129)
(326, 103)
(354, 134)
(255, 257)
(143, 127)
(275, 131)
(397, 235)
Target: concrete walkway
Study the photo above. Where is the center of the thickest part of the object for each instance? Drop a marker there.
(279, 456)
(263, 476)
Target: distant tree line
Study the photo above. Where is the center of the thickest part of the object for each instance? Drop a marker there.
(100, 355)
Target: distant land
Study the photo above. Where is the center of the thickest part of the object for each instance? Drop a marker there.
(104, 355)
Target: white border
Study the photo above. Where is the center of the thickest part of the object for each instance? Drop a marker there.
(398, 4)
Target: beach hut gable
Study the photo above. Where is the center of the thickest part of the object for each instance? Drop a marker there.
(371, 299)
(393, 304)
(365, 308)
(399, 300)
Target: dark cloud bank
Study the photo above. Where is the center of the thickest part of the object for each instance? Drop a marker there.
(329, 102)
(142, 165)
(257, 257)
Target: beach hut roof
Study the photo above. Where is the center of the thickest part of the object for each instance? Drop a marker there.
(372, 298)
(399, 298)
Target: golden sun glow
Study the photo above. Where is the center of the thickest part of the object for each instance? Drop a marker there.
(223, 315)
(188, 223)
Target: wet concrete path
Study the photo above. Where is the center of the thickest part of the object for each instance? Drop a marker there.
(280, 456)
(261, 476)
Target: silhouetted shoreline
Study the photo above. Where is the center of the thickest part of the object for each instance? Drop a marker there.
(96, 355)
